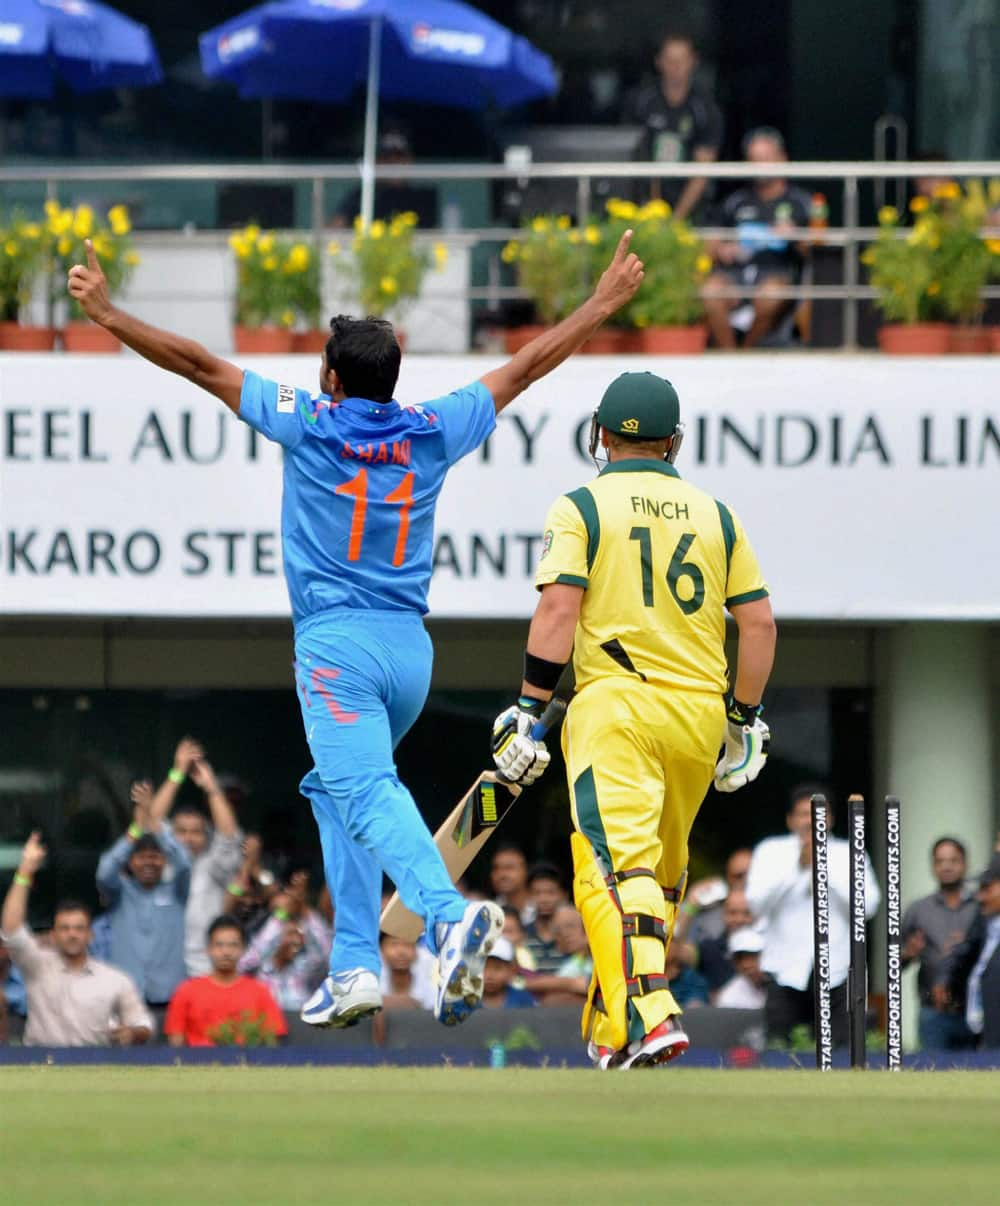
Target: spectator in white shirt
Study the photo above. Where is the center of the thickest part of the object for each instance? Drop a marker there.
(779, 890)
(747, 988)
(214, 848)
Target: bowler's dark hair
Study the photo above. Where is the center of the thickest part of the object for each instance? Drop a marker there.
(364, 353)
(73, 906)
(950, 841)
(226, 922)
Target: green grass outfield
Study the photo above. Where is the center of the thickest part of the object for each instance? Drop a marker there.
(514, 1136)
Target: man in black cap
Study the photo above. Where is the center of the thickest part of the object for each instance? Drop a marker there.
(392, 197)
(636, 574)
(972, 971)
(145, 878)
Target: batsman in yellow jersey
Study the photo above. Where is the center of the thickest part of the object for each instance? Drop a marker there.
(637, 571)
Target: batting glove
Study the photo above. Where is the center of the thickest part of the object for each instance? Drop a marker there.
(745, 749)
(518, 756)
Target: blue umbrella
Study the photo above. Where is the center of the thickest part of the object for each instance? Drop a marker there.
(86, 44)
(435, 51)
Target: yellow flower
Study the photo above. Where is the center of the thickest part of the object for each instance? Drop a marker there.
(440, 254)
(563, 222)
(52, 208)
(60, 221)
(575, 237)
(409, 218)
(703, 264)
(239, 244)
(265, 244)
(933, 288)
(655, 209)
(888, 215)
(103, 246)
(11, 248)
(622, 209)
(540, 225)
(83, 222)
(388, 285)
(298, 258)
(919, 204)
(868, 255)
(377, 230)
(288, 318)
(252, 233)
(685, 236)
(269, 263)
(510, 252)
(119, 219)
(31, 230)
(949, 191)
(993, 246)
(592, 235)
(65, 245)
(132, 258)
(333, 247)
(359, 224)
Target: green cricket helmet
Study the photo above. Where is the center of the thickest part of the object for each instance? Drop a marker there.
(642, 406)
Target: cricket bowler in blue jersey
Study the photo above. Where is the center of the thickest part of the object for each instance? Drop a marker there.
(362, 475)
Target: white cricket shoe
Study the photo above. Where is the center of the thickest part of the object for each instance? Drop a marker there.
(462, 950)
(662, 1044)
(343, 1000)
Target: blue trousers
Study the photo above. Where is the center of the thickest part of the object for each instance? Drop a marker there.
(362, 678)
(943, 1031)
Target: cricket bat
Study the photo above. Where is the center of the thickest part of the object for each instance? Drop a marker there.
(467, 829)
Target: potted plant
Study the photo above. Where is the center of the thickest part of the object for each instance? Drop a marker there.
(555, 266)
(903, 267)
(386, 268)
(302, 269)
(23, 251)
(264, 315)
(965, 261)
(666, 310)
(68, 229)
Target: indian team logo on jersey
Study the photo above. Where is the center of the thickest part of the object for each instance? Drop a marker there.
(546, 543)
(286, 399)
(631, 426)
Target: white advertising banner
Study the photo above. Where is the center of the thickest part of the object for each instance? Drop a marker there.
(869, 486)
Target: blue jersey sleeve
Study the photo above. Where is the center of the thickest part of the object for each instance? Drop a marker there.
(467, 416)
(278, 412)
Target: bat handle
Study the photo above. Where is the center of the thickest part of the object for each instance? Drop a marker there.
(551, 717)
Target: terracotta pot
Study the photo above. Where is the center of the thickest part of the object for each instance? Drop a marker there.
(518, 337)
(85, 336)
(609, 341)
(17, 338)
(308, 343)
(262, 341)
(674, 341)
(915, 339)
(969, 341)
(995, 339)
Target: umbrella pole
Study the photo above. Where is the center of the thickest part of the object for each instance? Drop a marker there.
(371, 121)
(266, 129)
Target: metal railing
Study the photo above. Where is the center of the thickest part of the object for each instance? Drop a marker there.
(848, 176)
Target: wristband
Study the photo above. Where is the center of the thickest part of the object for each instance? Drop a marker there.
(176, 776)
(531, 705)
(134, 832)
(281, 914)
(741, 713)
(22, 881)
(235, 889)
(541, 673)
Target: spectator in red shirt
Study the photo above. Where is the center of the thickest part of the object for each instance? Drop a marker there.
(223, 998)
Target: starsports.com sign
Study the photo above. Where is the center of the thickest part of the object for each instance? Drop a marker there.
(868, 486)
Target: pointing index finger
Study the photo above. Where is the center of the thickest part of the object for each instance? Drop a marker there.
(623, 244)
(91, 255)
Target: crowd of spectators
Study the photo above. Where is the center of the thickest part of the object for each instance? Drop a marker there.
(199, 943)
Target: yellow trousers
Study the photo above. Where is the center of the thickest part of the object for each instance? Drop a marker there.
(639, 762)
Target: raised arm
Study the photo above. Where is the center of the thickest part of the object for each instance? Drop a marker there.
(223, 817)
(88, 286)
(15, 905)
(185, 756)
(617, 285)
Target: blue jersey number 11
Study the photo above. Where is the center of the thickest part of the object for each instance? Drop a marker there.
(357, 488)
